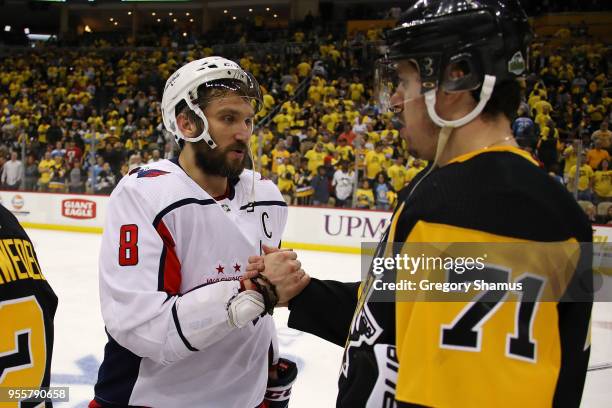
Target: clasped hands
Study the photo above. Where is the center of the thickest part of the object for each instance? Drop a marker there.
(282, 269)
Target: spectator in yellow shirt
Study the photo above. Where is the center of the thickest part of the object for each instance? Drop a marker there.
(533, 99)
(328, 146)
(285, 173)
(389, 130)
(303, 69)
(569, 154)
(584, 181)
(597, 111)
(365, 196)
(356, 89)
(345, 150)
(543, 118)
(596, 155)
(540, 105)
(279, 153)
(283, 121)
(602, 183)
(415, 168)
(316, 157)
(374, 160)
(42, 132)
(398, 174)
(387, 150)
(44, 168)
(603, 135)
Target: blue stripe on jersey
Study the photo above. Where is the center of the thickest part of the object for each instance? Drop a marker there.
(179, 331)
(160, 272)
(265, 203)
(180, 203)
(117, 374)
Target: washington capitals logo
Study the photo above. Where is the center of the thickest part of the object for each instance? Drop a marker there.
(150, 173)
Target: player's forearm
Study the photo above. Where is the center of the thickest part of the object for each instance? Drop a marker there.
(175, 329)
(325, 309)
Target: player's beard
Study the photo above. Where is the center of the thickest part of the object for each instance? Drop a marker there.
(215, 162)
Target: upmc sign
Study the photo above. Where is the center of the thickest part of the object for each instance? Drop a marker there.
(364, 227)
(330, 227)
(79, 209)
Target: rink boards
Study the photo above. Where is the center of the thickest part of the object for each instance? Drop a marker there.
(311, 228)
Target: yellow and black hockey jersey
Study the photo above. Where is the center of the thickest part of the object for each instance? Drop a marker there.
(27, 308)
(502, 352)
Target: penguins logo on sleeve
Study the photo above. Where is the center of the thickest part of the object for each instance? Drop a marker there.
(364, 329)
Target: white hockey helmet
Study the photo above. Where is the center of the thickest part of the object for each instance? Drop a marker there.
(214, 72)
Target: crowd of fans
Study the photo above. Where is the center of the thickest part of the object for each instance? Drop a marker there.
(564, 117)
(85, 117)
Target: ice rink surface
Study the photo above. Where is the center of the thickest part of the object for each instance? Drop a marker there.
(69, 261)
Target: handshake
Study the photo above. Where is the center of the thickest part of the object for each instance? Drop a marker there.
(279, 272)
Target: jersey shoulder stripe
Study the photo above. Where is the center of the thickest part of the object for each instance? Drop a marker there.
(265, 204)
(181, 203)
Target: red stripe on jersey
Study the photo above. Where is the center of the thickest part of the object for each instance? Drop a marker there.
(172, 265)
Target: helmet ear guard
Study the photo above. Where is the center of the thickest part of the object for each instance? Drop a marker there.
(463, 73)
(204, 135)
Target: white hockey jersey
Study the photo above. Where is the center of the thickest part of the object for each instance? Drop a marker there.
(170, 261)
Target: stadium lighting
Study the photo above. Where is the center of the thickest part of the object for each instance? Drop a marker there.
(7, 28)
(26, 30)
(87, 29)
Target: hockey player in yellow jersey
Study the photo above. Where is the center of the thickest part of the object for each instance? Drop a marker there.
(449, 76)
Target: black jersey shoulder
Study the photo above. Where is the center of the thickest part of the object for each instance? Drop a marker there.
(9, 225)
(496, 192)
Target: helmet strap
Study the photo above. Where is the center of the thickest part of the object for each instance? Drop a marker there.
(251, 204)
(447, 126)
(485, 95)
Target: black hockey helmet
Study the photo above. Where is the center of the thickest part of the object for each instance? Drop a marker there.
(482, 37)
(456, 45)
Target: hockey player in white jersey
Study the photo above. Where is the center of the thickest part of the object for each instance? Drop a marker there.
(184, 330)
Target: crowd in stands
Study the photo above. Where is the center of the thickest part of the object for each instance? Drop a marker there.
(565, 115)
(86, 117)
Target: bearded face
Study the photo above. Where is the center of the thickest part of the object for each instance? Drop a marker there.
(228, 161)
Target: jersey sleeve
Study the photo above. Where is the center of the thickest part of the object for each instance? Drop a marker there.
(325, 309)
(279, 214)
(138, 312)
